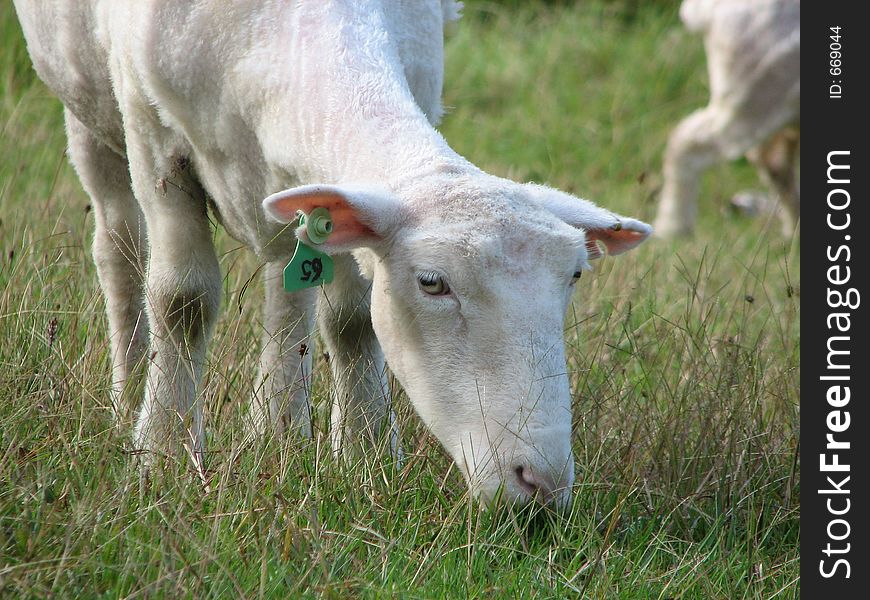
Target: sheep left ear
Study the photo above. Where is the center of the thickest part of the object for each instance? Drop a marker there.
(618, 234)
(361, 216)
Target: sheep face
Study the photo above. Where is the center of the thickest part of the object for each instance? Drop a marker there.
(470, 322)
(469, 293)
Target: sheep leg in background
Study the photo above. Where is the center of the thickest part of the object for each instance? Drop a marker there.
(361, 407)
(776, 160)
(281, 399)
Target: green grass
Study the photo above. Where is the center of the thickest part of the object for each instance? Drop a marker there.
(684, 361)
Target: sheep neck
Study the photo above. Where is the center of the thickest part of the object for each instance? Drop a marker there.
(355, 117)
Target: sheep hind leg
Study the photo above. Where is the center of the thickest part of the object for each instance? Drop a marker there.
(362, 411)
(183, 288)
(775, 160)
(119, 253)
(281, 399)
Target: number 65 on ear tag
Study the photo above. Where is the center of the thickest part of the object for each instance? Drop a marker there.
(309, 267)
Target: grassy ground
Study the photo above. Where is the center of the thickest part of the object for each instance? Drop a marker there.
(684, 360)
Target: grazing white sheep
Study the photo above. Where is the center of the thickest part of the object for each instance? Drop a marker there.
(753, 60)
(458, 278)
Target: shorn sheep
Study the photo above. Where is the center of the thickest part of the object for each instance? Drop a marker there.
(753, 61)
(457, 279)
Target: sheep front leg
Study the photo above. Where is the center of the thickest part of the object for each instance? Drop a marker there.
(692, 148)
(183, 285)
(281, 398)
(361, 406)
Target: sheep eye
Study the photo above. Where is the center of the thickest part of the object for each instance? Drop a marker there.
(433, 284)
(576, 276)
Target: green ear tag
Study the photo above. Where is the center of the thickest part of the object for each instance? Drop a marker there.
(310, 267)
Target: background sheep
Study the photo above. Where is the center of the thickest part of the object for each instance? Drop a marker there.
(753, 61)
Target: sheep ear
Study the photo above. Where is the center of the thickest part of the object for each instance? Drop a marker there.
(361, 216)
(618, 234)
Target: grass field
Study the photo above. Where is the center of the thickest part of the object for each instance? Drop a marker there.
(684, 360)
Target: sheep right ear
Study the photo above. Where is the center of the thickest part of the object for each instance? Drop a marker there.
(361, 216)
(618, 234)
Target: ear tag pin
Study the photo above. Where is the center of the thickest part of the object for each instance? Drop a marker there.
(310, 267)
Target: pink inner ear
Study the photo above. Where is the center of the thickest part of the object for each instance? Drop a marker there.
(346, 226)
(616, 242)
(593, 250)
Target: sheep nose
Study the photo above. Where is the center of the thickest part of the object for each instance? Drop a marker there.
(543, 487)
